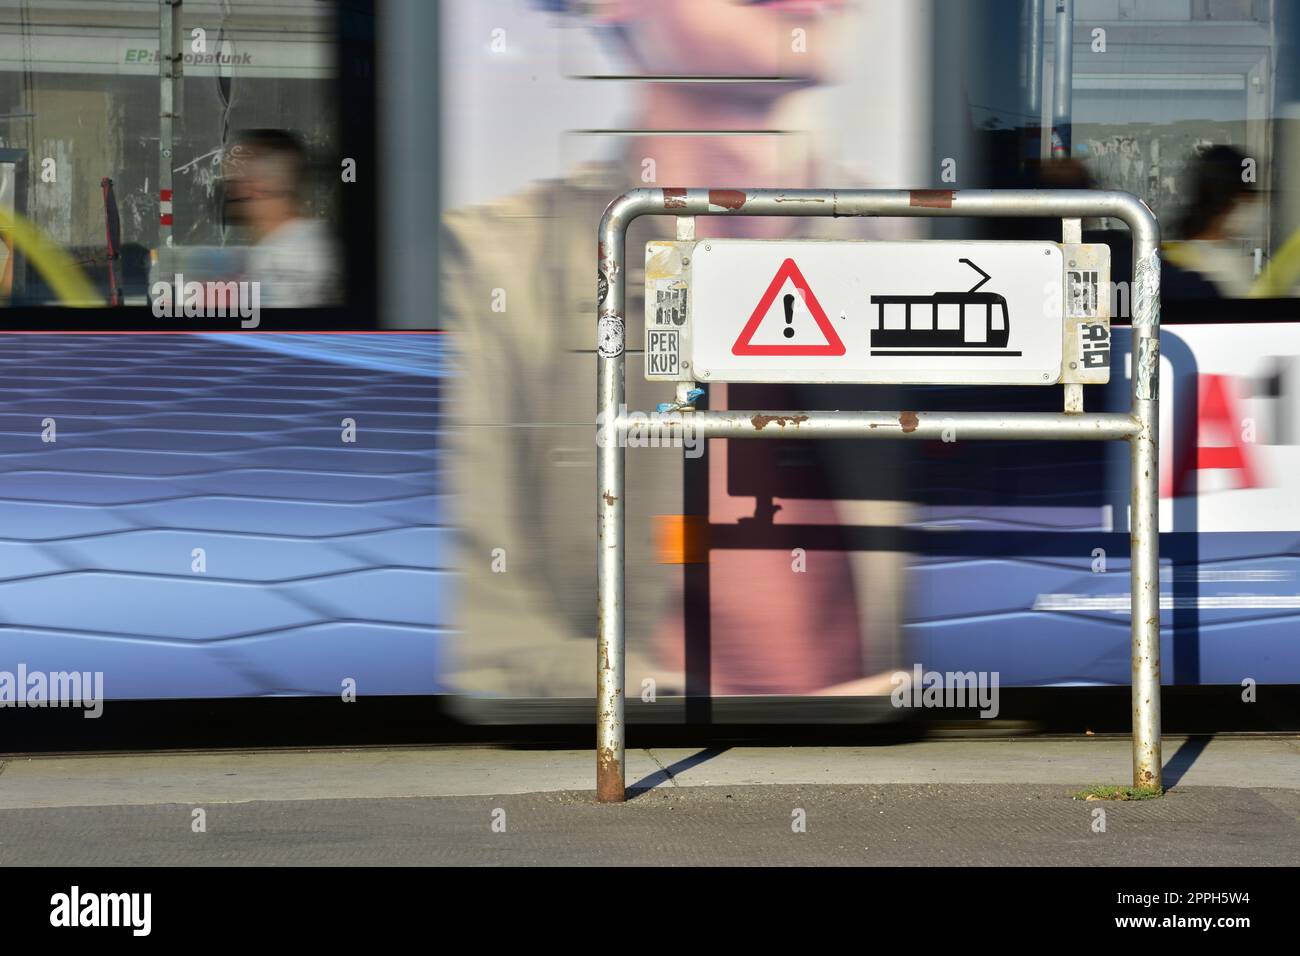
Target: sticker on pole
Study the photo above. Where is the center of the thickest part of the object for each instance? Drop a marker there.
(926, 312)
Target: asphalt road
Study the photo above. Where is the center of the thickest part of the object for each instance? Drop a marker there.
(1231, 802)
(841, 825)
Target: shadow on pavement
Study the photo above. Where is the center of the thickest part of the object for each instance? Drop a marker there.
(1183, 758)
(646, 784)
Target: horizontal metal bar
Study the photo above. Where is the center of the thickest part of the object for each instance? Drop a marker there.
(926, 203)
(926, 426)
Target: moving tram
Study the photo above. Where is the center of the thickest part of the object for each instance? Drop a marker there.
(200, 530)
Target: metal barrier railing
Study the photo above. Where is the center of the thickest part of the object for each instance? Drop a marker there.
(1139, 427)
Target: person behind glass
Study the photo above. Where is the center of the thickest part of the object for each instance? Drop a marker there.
(1209, 259)
(292, 256)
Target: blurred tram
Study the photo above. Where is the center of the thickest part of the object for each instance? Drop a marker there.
(209, 526)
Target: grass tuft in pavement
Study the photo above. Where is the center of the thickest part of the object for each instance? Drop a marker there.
(1119, 793)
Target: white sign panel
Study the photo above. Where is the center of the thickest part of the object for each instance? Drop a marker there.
(877, 312)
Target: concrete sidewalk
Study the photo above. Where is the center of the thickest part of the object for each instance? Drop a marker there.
(241, 776)
(1232, 801)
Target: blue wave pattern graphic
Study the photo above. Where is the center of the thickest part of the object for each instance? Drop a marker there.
(325, 560)
(1052, 620)
(1026, 598)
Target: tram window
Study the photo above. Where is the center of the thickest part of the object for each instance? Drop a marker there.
(260, 123)
(999, 320)
(895, 315)
(949, 315)
(922, 316)
(1194, 116)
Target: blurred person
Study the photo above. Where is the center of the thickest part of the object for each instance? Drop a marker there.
(524, 491)
(293, 257)
(1222, 210)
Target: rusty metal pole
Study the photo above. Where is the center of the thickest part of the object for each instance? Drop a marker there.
(610, 585)
(1144, 494)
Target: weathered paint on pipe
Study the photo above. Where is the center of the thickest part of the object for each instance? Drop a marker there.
(1140, 427)
(610, 778)
(921, 426)
(993, 203)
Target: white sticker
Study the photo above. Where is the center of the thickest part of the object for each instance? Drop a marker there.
(1094, 346)
(1148, 369)
(1146, 291)
(670, 303)
(1081, 295)
(609, 336)
(663, 352)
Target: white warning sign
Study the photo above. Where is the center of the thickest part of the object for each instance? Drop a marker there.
(889, 312)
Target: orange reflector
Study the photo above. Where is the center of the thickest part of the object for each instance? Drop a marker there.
(681, 539)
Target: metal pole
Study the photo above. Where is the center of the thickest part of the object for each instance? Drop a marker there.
(408, 289)
(610, 299)
(170, 70)
(1144, 494)
(1139, 427)
(1062, 88)
(919, 426)
(1034, 68)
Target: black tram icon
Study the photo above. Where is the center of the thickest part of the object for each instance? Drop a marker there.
(942, 323)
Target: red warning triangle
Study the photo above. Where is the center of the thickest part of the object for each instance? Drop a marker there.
(744, 342)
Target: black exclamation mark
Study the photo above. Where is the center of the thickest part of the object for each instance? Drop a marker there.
(789, 315)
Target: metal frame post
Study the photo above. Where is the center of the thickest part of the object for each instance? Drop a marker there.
(1139, 427)
(1063, 84)
(171, 69)
(1034, 64)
